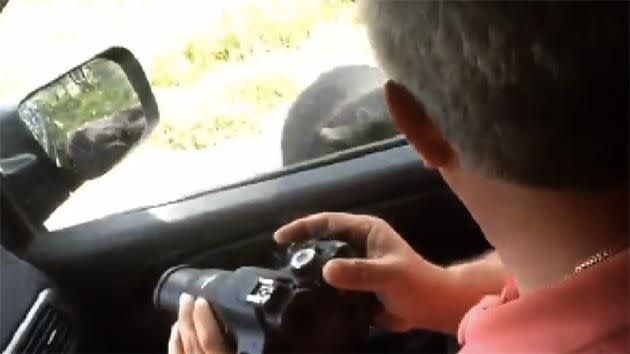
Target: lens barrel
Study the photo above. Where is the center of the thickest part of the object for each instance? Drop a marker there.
(182, 279)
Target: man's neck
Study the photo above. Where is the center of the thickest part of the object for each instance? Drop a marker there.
(542, 235)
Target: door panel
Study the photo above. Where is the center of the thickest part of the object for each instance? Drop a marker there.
(390, 183)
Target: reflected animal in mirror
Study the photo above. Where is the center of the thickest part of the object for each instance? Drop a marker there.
(99, 144)
(88, 119)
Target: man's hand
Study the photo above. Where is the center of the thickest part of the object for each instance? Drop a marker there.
(196, 331)
(413, 291)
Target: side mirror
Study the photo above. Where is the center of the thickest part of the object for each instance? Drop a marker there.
(91, 117)
(72, 129)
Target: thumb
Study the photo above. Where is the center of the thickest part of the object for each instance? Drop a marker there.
(357, 274)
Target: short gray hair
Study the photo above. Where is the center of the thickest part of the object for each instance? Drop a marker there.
(535, 93)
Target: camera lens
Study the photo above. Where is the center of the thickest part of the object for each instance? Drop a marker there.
(178, 280)
(302, 258)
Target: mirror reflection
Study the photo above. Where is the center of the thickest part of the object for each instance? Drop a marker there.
(88, 119)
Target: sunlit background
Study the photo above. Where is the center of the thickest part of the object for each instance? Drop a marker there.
(224, 74)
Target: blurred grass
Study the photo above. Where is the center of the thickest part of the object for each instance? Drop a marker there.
(202, 134)
(245, 111)
(245, 32)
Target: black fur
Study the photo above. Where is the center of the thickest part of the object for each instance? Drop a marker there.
(344, 108)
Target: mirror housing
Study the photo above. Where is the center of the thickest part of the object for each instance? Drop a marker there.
(72, 129)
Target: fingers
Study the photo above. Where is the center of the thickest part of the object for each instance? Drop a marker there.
(196, 331)
(349, 227)
(209, 333)
(359, 274)
(186, 325)
(174, 342)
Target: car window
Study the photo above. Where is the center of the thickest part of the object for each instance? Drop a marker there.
(244, 87)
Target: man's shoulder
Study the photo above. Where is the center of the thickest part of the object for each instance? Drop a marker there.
(584, 312)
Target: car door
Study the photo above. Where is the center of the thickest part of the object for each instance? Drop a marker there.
(111, 265)
(215, 202)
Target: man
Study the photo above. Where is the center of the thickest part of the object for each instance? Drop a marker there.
(523, 109)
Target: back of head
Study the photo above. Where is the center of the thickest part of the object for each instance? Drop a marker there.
(535, 93)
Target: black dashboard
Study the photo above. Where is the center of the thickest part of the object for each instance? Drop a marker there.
(34, 316)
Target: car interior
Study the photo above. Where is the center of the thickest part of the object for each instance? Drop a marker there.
(88, 287)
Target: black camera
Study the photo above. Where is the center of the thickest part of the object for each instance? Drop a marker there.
(291, 309)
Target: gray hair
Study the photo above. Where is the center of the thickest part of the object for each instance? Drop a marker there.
(531, 92)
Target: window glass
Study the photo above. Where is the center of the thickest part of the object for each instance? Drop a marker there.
(244, 87)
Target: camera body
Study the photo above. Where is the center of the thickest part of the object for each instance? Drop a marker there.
(291, 309)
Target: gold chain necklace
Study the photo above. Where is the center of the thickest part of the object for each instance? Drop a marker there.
(592, 260)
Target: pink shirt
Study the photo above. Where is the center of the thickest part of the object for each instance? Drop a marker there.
(585, 313)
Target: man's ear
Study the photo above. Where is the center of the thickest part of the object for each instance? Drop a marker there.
(411, 119)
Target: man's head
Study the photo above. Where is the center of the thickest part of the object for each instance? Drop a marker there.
(533, 93)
